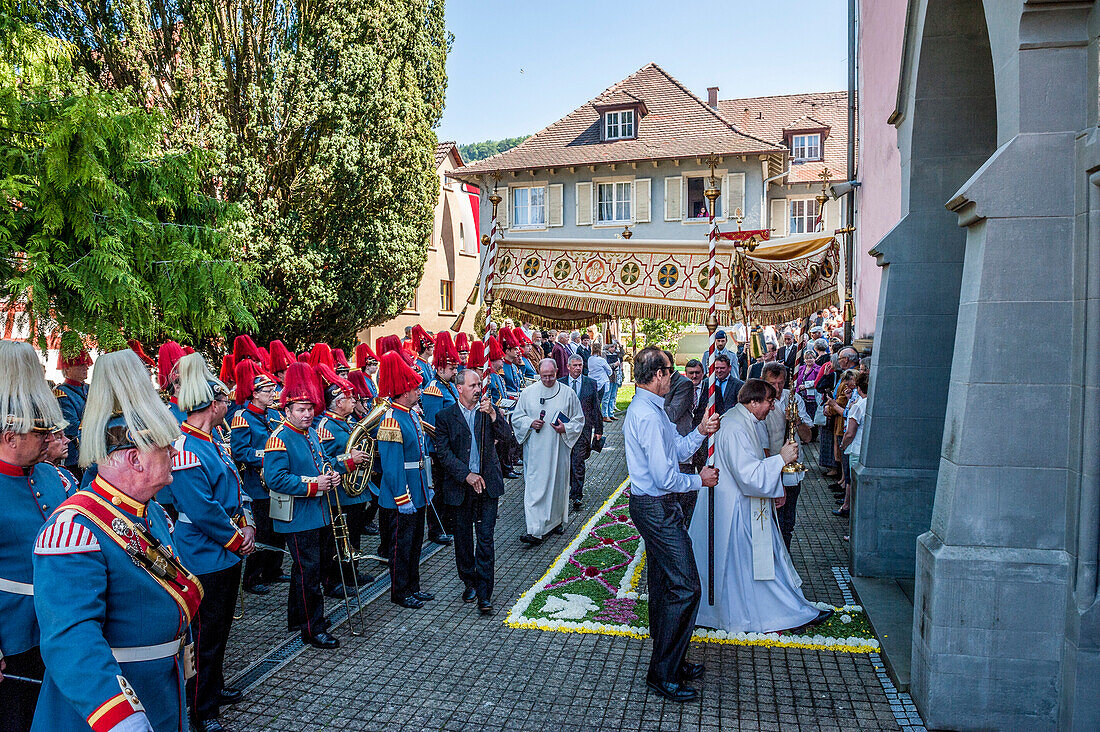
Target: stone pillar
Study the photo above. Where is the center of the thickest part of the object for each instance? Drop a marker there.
(946, 129)
(994, 573)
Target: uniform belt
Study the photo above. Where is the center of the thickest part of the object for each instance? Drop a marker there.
(414, 466)
(134, 654)
(16, 588)
(183, 518)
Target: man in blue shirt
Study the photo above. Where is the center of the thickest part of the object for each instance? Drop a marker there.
(657, 487)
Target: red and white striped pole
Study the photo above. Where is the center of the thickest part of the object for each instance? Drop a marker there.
(711, 194)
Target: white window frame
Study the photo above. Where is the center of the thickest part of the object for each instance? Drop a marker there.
(528, 207)
(803, 145)
(801, 215)
(620, 125)
(622, 195)
(721, 176)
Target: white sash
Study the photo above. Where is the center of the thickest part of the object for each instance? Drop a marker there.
(763, 515)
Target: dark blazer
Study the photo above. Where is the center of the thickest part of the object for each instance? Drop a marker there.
(561, 355)
(678, 404)
(590, 405)
(584, 353)
(452, 452)
(722, 403)
(789, 356)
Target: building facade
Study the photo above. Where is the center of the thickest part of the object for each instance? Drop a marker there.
(637, 156)
(451, 267)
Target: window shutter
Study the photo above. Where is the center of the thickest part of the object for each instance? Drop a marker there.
(554, 202)
(672, 198)
(641, 200)
(735, 194)
(584, 204)
(505, 207)
(779, 217)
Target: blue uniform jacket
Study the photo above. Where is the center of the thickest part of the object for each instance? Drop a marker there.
(92, 598)
(334, 433)
(293, 460)
(438, 395)
(496, 387)
(28, 498)
(210, 500)
(72, 396)
(371, 388)
(249, 431)
(512, 380)
(164, 495)
(68, 480)
(527, 368)
(401, 447)
(427, 372)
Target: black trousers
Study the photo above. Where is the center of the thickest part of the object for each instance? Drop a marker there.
(19, 698)
(405, 546)
(210, 629)
(580, 452)
(674, 590)
(305, 608)
(475, 554)
(442, 510)
(504, 455)
(387, 524)
(264, 566)
(357, 521)
(785, 513)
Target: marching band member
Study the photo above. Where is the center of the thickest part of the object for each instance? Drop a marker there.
(366, 362)
(462, 345)
(404, 486)
(73, 362)
(29, 492)
(281, 358)
(509, 369)
(476, 360)
(297, 473)
(495, 355)
(249, 430)
(334, 431)
(57, 449)
(113, 601)
(168, 378)
(341, 361)
(440, 393)
(425, 345)
(213, 532)
(527, 356)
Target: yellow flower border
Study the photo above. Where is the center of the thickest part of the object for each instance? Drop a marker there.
(605, 629)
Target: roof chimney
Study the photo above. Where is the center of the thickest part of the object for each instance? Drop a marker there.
(712, 97)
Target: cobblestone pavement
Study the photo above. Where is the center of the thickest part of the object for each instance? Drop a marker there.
(446, 667)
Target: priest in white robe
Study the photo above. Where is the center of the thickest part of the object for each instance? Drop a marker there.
(548, 421)
(756, 587)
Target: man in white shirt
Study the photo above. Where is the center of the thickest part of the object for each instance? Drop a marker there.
(657, 487)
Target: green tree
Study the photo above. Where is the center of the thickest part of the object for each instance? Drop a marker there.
(481, 150)
(319, 116)
(102, 230)
(660, 333)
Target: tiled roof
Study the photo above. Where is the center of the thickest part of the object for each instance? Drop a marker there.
(678, 125)
(768, 117)
(441, 150)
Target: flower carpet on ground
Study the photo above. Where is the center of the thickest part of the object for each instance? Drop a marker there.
(592, 587)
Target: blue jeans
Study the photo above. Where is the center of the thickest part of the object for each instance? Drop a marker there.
(609, 400)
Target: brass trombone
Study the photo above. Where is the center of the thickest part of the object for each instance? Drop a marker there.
(345, 553)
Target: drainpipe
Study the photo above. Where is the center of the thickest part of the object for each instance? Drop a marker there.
(766, 213)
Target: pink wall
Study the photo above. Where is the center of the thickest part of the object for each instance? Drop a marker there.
(878, 206)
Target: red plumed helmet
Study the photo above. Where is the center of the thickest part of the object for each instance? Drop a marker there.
(445, 352)
(477, 355)
(135, 346)
(331, 381)
(167, 357)
(385, 344)
(281, 357)
(496, 353)
(508, 339)
(321, 353)
(462, 343)
(244, 347)
(72, 351)
(250, 377)
(188, 350)
(359, 381)
(340, 359)
(395, 377)
(303, 357)
(421, 339)
(300, 385)
(227, 374)
(265, 358)
(363, 354)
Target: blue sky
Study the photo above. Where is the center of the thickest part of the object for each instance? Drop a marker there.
(518, 66)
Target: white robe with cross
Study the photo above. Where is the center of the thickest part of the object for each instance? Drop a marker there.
(546, 453)
(756, 587)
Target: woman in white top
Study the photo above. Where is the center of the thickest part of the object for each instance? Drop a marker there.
(855, 417)
(599, 371)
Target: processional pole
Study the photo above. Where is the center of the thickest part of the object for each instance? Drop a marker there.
(712, 193)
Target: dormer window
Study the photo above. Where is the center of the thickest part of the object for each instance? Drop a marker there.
(619, 125)
(805, 148)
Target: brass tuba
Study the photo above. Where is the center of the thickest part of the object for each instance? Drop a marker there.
(356, 481)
